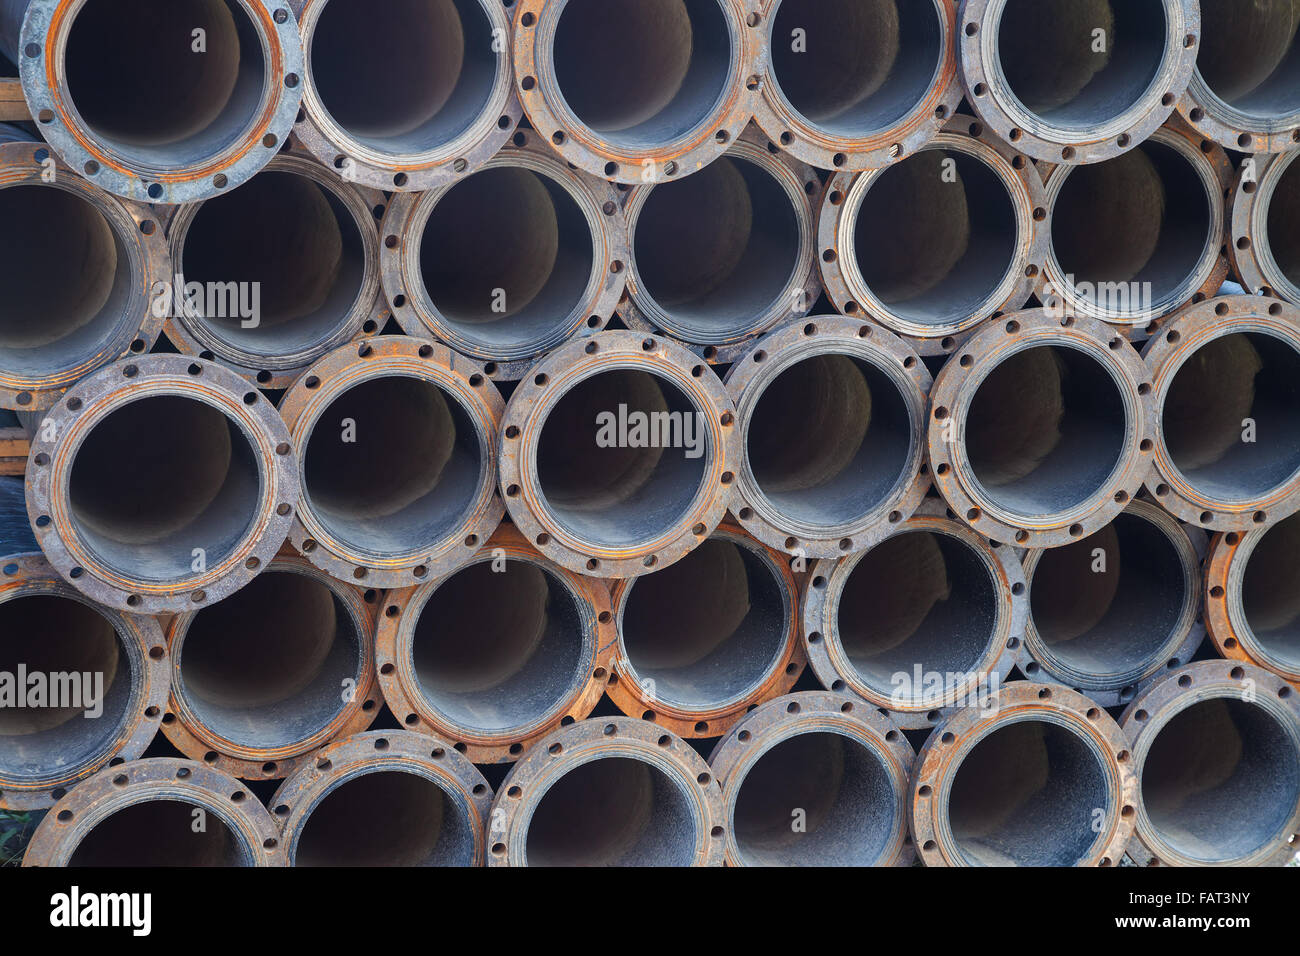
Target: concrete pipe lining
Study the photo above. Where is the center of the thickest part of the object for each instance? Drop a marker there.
(1265, 240)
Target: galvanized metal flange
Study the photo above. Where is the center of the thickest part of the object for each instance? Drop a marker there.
(404, 228)
(611, 155)
(353, 759)
(670, 766)
(955, 388)
(1209, 682)
(914, 699)
(776, 724)
(639, 695)
(139, 658)
(839, 220)
(252, 838)
(484, 741)
(223, 568)
(459, 379)
(991, 95)
(131, 171)
(1254, 257)
(275, 366)
(1108, 828)
(1170, 353)
(537, 396)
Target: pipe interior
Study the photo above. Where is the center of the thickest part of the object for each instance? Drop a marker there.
(1221, 780)
(935, 237)
(707, 629)
(1282, 223)
(500, 649)
(1270, 592)
(617, 490)
(1231, 381)
(267, 667)
(1026, 795)
(829, 439)
(506, 257)
(393, 465)
(1250, 57)
(613, 811)
(161, 833)
(656, 88)
(1046, 430)
(819, 798)
(717, 249)
(1067, 74)
(386, 818)
(295, 251)
(159, 478)
(142, 86)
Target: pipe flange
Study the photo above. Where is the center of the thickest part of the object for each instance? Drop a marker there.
(1250, 243)
(600, 206)
(940, 759)
(698, 803)
(395, 356)
(1233, 128)
(68, 425)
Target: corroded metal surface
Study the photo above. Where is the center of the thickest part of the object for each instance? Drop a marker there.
(1261, 234)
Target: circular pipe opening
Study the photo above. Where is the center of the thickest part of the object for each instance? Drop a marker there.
(1229, 391)
(289, 258)
(1069, 76)
(393, 464)
(496, 650)
(143, 506)
(265, 667)
(707, 630)
(612, 811)
(1025, 795)
(838, 790)
(1250, 57)
(1270, 592)
(386, 818)
(857, 68)
(160, 832)
(935, 237)
(1045, 430)
(143, 88)
(1221, 780)
(614, 486)
(645, 93)
(716, 250)
(1283, 223)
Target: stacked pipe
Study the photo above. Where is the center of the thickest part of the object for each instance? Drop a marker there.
(651, 432)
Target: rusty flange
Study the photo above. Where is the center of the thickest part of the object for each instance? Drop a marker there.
(1236, 730)
(37, 371)
(720, 332)
(1254, 218)
(940, 330)
(209, 544)
(477, 405)
(133, 694)
(760, 654)
(161, 812)
(553, 638)
(608, 791)
(594, 299)
(1034, 821)
(352, 837)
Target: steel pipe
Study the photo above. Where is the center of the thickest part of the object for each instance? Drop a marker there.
(77, 265)
(396, 442)
(814, 779)
(662, 105)
(701, 643)
(1041, 430)
(510, 262)
(935, 244)
(608, 792)
(1216, 747)
(1265, 226)
(1043, 777)
(384, 798)
(619, 454)
(166, 101)
(160, 484)
(1226, 445)
(1077, 82)
(497, 653)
